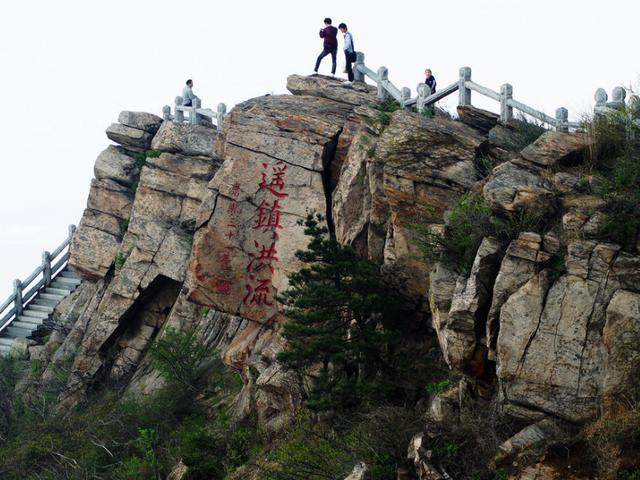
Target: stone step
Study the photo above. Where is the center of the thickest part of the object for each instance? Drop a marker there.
(35, 313)
(18, 332)
(52, 297)
(33, 320)
(67, 280)
(58, 291)
(44, 302)
(6, 341)
(70, 274)
(5, 349)
(40, 308)
(31, 327)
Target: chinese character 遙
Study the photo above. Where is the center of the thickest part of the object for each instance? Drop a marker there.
(276, 185)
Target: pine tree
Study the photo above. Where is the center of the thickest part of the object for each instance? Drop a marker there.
(341, 322)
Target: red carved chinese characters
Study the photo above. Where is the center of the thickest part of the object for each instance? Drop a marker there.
(268, 217)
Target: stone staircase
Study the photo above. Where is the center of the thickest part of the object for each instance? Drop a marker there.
(35, 316)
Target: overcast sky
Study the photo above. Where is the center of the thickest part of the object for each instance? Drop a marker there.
(69, 67)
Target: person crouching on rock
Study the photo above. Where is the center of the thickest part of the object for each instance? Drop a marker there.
(330, 44)
(349, 51)
(430, 81)
(187, 94)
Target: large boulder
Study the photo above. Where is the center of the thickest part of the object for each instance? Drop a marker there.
(131, 138)
(551, 348)
(461, 337)
(511, 187)
(557, 148)
(185, 139)
(358, 93)
(141, 120)
(275, 150)
(477, 118)
(114, 164)
(402, 169)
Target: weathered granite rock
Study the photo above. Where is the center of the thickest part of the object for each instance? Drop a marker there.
(442, 284)
(97, 239)
(130, 138)
(444, 407)
(141, 120)
(114, 164)
(557, 148)
(179, 472)
(535, 437)
(525, 256)
(551, 350)
(394, 176)
(621, 338)
(274, 151)
(360, 472)
(419, 454)
(477, 118)
(511, 187)
(185, 139)
(463, 348)
(565, 182)
(358, 93)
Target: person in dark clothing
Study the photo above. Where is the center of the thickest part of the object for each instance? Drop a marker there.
(349, 50)
(431, 80)
(330, 44)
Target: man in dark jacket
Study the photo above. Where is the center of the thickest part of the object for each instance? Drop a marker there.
(431, 80)
(330, 35)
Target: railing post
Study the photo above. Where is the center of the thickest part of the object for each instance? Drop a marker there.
(46, 268)
(506, 111)
(193, 114)
(221, 112)
(17, 296)
(179, 116)
(383, 76)
(464, 92)
(71, 229)
(562, 120)
(406, 95)
(166, 113)
(358, 76)
(423, 92)
(618, 95)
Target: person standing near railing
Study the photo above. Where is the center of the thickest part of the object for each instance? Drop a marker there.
(349, 51)
(187, 94)
(430, 80)
(330, 45)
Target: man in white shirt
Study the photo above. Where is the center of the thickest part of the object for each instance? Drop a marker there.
(187, 94)
(349, 50)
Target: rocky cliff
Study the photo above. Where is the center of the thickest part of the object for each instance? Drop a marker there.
(191, 228)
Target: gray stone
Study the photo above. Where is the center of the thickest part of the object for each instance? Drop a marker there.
(140, 120)
(130, 138)
(185, 139)
(553, 148)
(114, 164)
(331, 88)
(360, 472)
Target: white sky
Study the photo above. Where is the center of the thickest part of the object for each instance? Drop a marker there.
(68, 67)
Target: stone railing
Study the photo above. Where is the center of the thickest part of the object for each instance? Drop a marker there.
(196, 114)
(25, 290)
(464, 85)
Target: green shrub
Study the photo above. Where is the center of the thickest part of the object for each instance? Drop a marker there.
(526, 132)
(469, 221)
(124, 225)
(120, 260)
(178, 355)
(436, 387)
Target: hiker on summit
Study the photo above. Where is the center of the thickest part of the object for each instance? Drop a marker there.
(349, 51)
(187, 94)
(330, 45)
(431, 80)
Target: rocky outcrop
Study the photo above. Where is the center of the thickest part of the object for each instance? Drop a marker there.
(402, 169)
(553, 148)
(332, 89)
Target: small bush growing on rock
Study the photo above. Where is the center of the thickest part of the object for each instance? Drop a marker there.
(526, 132)
(177, 355)
(468, 222)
